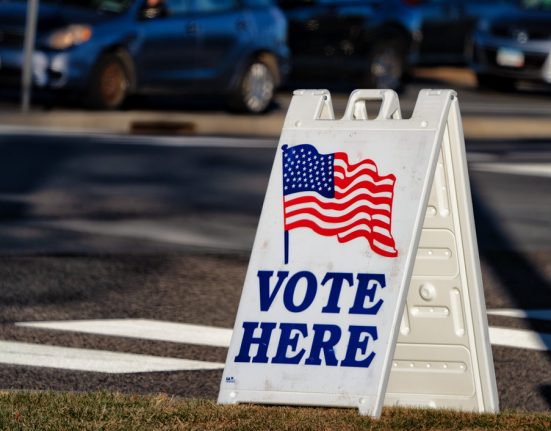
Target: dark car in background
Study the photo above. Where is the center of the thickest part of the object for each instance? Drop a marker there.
(514, 47)
(376, 42)
(108, 49)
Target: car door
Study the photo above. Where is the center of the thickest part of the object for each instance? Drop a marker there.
(312, 35)
(326, 36)
(443, 31)
(223, 30)
(168, 47)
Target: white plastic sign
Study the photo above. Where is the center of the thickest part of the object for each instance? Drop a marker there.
(333, 257)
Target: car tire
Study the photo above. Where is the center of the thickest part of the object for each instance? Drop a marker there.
(255, 89)
(109, 83)
(492, 82)
(386, 66)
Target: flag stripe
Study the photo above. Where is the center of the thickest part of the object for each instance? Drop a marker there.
(343, 202)
(341, 174)
(359, 212)
(335, 228)
(374, 211)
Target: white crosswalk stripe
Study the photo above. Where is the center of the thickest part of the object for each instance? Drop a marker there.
(17, 353)
(144, 329)
(100, 361)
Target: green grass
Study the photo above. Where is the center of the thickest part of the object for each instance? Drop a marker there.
(109, 411)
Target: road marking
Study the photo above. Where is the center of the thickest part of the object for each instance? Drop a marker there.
(520, 339)
(521, 314)
(143, 329)
(220, 337)
(99, 361)
(532, 169)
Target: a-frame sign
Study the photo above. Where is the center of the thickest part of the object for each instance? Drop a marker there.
(364, 285)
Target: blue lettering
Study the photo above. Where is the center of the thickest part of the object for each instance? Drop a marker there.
(357, 342)
(367, 287)
(319, 343)
(334, 294)
(266, 298)
(309, 295)
(286, 340)
(263, 341)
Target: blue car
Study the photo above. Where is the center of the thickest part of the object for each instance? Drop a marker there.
(514, 47)
(109, 49)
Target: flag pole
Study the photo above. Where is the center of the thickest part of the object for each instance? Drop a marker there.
(285, 232)
(286, 240)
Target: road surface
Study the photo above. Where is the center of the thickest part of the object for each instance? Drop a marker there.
(142, 243)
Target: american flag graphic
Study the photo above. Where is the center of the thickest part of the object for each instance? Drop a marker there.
(327, 194)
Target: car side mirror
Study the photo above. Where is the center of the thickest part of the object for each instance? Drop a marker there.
(153, 9)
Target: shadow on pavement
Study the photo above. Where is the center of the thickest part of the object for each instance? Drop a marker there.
(515, 278)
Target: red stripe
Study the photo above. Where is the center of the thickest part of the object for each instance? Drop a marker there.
(339, 205)
(381, 238)
(370, 236)
(342, 218)
(362, 186)
(348, 177)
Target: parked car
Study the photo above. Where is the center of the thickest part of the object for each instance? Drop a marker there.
(376, 42)
(108, 49)
(515, 46)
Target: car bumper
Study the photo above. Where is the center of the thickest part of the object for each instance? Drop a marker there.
(50, 70)
(507, 58)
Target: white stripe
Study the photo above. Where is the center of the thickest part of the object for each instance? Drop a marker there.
(385, 247)
(382, 231)
(366, 229)
(99, 361)
(381, 217)
(334, 213)
(533, 169)
(366, 178)
(344, 200)
(328, 225)
(522, 314)
(520, 339)
(370, 166)
(143, 329)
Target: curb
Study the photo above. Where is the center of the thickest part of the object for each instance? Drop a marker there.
(178, 124)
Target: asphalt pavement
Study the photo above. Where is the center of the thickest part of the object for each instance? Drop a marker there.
(126, 246)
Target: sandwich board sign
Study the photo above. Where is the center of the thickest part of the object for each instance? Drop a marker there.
(364, 284)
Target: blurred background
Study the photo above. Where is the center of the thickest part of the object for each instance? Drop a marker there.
(136, 142)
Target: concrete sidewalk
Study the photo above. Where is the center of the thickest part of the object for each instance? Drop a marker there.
(216, 123)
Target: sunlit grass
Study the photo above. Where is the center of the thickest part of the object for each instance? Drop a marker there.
(111, 411)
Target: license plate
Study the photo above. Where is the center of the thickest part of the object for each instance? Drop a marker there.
(510, 57)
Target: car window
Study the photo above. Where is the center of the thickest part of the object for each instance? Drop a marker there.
(208, 6)
(176, 7)
(112, 6)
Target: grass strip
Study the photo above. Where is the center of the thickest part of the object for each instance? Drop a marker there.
(113, 411)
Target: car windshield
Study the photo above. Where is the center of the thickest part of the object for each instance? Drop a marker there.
(536, 5)
(114, 6)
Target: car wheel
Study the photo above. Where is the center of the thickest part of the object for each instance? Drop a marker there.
(492, 82)
(255, 90)
(109, 83)
(386, 65)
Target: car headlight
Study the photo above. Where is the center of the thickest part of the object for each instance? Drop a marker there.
(67, 37)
